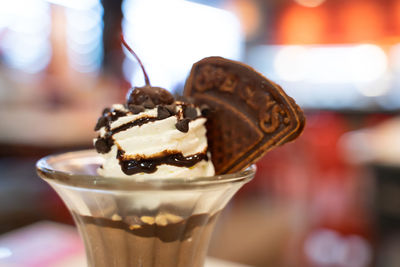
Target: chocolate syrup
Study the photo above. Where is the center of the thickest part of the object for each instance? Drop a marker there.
(137, 122)
(149, 165)
(103, 144)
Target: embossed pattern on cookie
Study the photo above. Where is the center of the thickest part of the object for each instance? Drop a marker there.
(250, 114)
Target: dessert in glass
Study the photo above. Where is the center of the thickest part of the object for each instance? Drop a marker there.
(151, 192)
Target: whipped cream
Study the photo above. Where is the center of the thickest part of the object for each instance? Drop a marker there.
(151, 145)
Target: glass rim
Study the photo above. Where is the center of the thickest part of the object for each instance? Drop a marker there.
(49, 173)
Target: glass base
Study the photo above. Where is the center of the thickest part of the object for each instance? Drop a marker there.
(178, 244)
(126, 222)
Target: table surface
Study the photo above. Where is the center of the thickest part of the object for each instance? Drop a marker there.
(48, 244)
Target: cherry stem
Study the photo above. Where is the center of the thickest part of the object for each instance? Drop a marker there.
(146, 78)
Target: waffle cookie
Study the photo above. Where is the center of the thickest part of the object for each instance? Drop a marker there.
(249, 114)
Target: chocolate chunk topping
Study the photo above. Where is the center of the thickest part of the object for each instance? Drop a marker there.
(162, 113)
(109, 115)
(113, 115)
(135, 109)
(101, 122)
(183, 125)
(141, 95)
(103, 145)
(189, 112)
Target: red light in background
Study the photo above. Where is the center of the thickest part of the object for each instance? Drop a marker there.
(302, 25)
(338, 22)
(361, 21)
(396, 16)
(309, 3)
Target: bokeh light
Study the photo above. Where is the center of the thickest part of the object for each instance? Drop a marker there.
(309, 3)
(25, 34)
(291, 63)
(303, 25)
(325, 247)
(171, 37)
(331, 64)
(84, 37)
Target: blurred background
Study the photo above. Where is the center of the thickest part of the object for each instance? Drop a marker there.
(329, 199)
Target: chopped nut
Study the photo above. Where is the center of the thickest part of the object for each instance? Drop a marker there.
(161, 220)
(147, 219)
(134, 226)
(116, 217)
(171, 218)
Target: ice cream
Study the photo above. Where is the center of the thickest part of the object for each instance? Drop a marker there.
(153, 135)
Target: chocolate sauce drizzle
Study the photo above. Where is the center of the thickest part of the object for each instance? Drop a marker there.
(137, 122)
(132, 166)
(103, 144)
